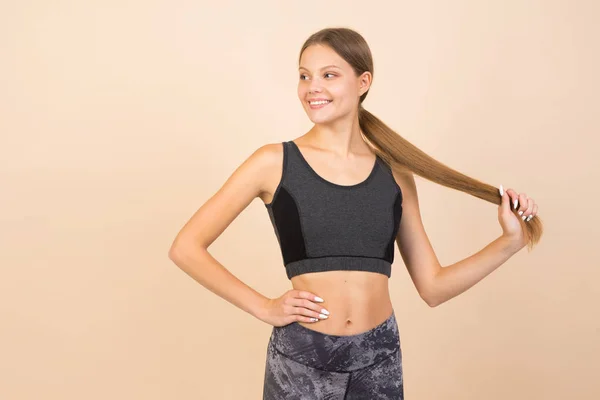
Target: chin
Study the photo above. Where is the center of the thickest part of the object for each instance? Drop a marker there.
(322, 121)
(325, 119)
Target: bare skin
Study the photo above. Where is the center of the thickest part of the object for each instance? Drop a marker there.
(357, 300)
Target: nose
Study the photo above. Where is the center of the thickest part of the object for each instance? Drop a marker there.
(314, 87)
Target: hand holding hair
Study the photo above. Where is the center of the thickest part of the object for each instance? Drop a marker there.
(515, 210)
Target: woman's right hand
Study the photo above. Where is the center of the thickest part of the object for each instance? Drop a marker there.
(293, 305)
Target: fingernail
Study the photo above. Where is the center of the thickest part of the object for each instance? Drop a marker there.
(501, 191)
(531, 216)
(523, 218)
(515, 204)
(314, 319)
(323, 316)
(324, 311)
(320, 300)
(520, 212)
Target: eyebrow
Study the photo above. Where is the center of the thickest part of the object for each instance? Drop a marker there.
(325, 67)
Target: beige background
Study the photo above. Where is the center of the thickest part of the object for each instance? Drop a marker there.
(118, 119)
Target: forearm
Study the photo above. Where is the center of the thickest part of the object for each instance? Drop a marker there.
(453, 280)
(199, 264)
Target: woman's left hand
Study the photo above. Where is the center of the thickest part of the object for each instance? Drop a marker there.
(511, 226)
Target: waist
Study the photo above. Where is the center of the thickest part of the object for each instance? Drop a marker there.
(343, 354)
(356, 300)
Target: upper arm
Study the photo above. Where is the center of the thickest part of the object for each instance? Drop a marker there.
(416, 250)
(247, 182)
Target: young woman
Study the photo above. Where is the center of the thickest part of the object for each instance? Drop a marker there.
(339, 197)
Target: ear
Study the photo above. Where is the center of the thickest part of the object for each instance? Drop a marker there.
(364, 82)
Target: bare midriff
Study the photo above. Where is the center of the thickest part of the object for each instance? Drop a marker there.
(356, 300)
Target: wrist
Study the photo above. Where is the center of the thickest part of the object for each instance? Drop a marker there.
(259, 310)
(509, 244)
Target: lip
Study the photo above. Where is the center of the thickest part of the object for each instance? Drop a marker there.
(316, 107)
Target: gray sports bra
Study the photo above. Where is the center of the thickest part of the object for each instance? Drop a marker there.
(323, 226)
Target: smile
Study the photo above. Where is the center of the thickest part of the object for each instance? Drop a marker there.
(318, 104)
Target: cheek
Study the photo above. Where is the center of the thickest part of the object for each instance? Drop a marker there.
(301, 92)
(343, 100)
(342, 92)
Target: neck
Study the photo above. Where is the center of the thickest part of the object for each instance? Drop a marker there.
(342, 137)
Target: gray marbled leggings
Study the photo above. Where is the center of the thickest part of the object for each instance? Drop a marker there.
(303, 364)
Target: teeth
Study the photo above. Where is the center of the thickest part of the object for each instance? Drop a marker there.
(314, 103)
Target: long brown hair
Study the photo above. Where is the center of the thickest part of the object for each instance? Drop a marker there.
(396, 151)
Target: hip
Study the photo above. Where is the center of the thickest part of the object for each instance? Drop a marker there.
(337, 353)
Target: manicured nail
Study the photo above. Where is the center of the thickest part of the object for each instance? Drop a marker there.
(324, 311)
(323, 316)
(320, 300)
(520, 212)
(501, 191)
(515, 204)
(531, 216)
(314, 319)
(523, 217)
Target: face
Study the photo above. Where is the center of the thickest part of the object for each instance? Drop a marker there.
(324, 75)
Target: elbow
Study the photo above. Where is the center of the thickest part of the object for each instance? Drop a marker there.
(174, 254)
(175, 251)
(430, 296)
(430, 301)
(181, 250)
(178, 247)
(430, 293)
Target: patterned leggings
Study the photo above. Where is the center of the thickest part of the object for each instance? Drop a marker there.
(303, 364)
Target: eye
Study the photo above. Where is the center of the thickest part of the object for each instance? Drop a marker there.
(327, 73)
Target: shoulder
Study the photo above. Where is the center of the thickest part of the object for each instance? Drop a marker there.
(402, 175)
(266, 154)
(259, 165)
(406, 181)
(267, 168)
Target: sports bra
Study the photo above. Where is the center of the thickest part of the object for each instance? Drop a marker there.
(323, 226)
